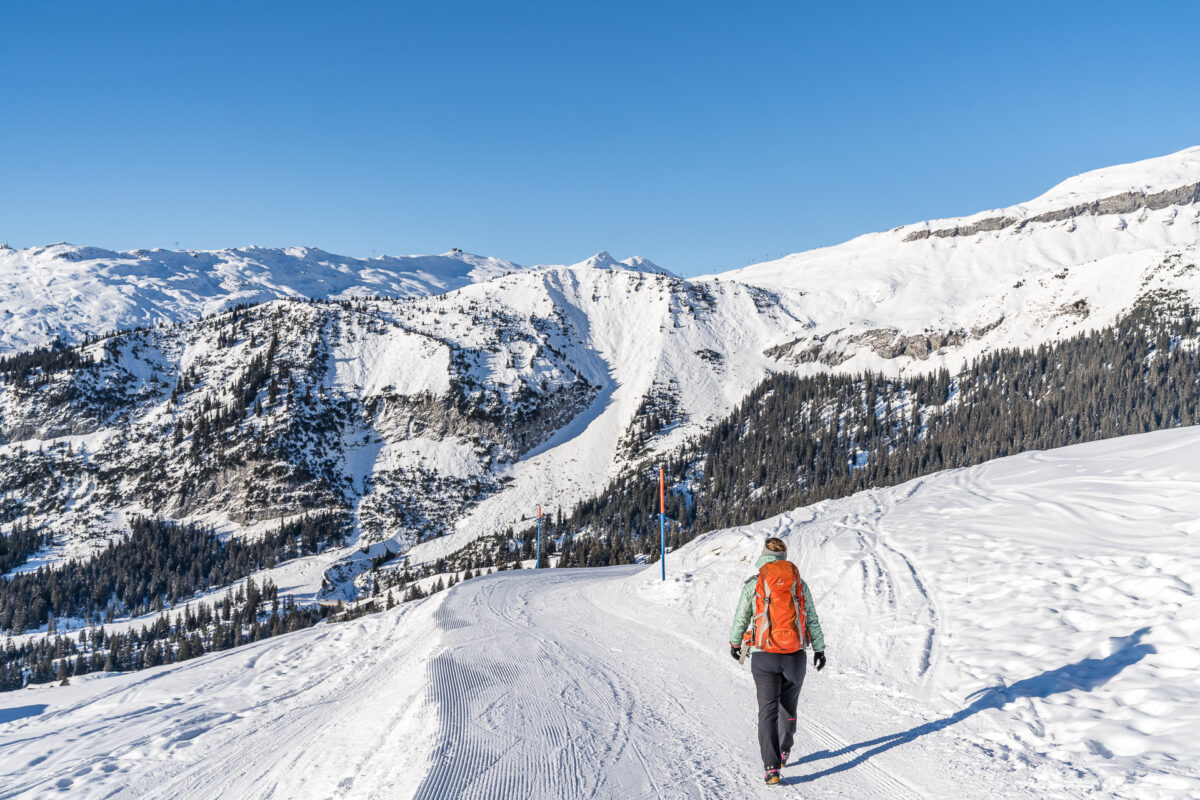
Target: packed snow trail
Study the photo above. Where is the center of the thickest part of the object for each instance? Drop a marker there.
(1026, 628)
(564, 684)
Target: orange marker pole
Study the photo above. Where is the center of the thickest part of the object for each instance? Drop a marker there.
(662, 524)
(538, 564)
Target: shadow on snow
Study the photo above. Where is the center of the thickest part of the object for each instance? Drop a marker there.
(21, 712)
(1084, 675)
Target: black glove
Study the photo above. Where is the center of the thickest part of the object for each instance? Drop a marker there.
(819, 660)
(735, 650)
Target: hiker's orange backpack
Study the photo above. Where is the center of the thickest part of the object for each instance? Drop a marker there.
(780, 623)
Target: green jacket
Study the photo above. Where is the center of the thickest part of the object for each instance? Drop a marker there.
(745, 610)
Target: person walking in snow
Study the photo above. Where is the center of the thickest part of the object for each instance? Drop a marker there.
(774, 621)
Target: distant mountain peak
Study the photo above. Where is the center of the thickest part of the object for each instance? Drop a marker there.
(640, 264)
(604, 260)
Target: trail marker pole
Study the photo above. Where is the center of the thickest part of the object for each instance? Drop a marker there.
(662, 524)
(538, 564)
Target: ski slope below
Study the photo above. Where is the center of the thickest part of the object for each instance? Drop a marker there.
(1027, 628)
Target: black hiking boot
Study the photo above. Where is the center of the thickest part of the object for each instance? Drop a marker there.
(772, 777)
(783, 757)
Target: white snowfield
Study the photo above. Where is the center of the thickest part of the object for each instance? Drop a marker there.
(1028, 628)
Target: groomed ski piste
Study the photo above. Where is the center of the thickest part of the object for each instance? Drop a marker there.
(1027, 628)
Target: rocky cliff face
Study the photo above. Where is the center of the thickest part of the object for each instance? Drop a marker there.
(835, 349)
(1123, 203)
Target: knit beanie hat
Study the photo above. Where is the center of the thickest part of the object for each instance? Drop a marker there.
(775, 548)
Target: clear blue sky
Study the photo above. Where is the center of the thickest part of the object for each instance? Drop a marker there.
(701, 135)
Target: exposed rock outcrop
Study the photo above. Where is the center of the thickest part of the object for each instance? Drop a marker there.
(1124, 203)
(889, 343)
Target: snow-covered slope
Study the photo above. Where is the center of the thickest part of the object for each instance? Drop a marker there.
(456, 412)
(1023, 629)
(332, 711)
(1077, 255)
(683, 351)
(73, 292)
(1034, 617)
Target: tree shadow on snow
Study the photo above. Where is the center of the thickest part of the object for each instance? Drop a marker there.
(1084, 675)
(21, 712)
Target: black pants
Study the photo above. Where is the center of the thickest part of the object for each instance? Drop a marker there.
(777, 680)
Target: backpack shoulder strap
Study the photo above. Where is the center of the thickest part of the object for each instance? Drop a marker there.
(801, 607)
(759, 632)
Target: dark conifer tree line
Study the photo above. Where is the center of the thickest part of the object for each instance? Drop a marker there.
(18, 545)
(35, 366)
(249, 614)
(158, 563)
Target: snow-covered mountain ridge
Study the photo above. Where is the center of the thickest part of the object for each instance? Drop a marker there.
(1027, 273)
(1021, 275)
(417, 417)
(67, 291)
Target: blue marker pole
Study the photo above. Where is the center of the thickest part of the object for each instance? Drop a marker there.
(662, 524)
(538, 564)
